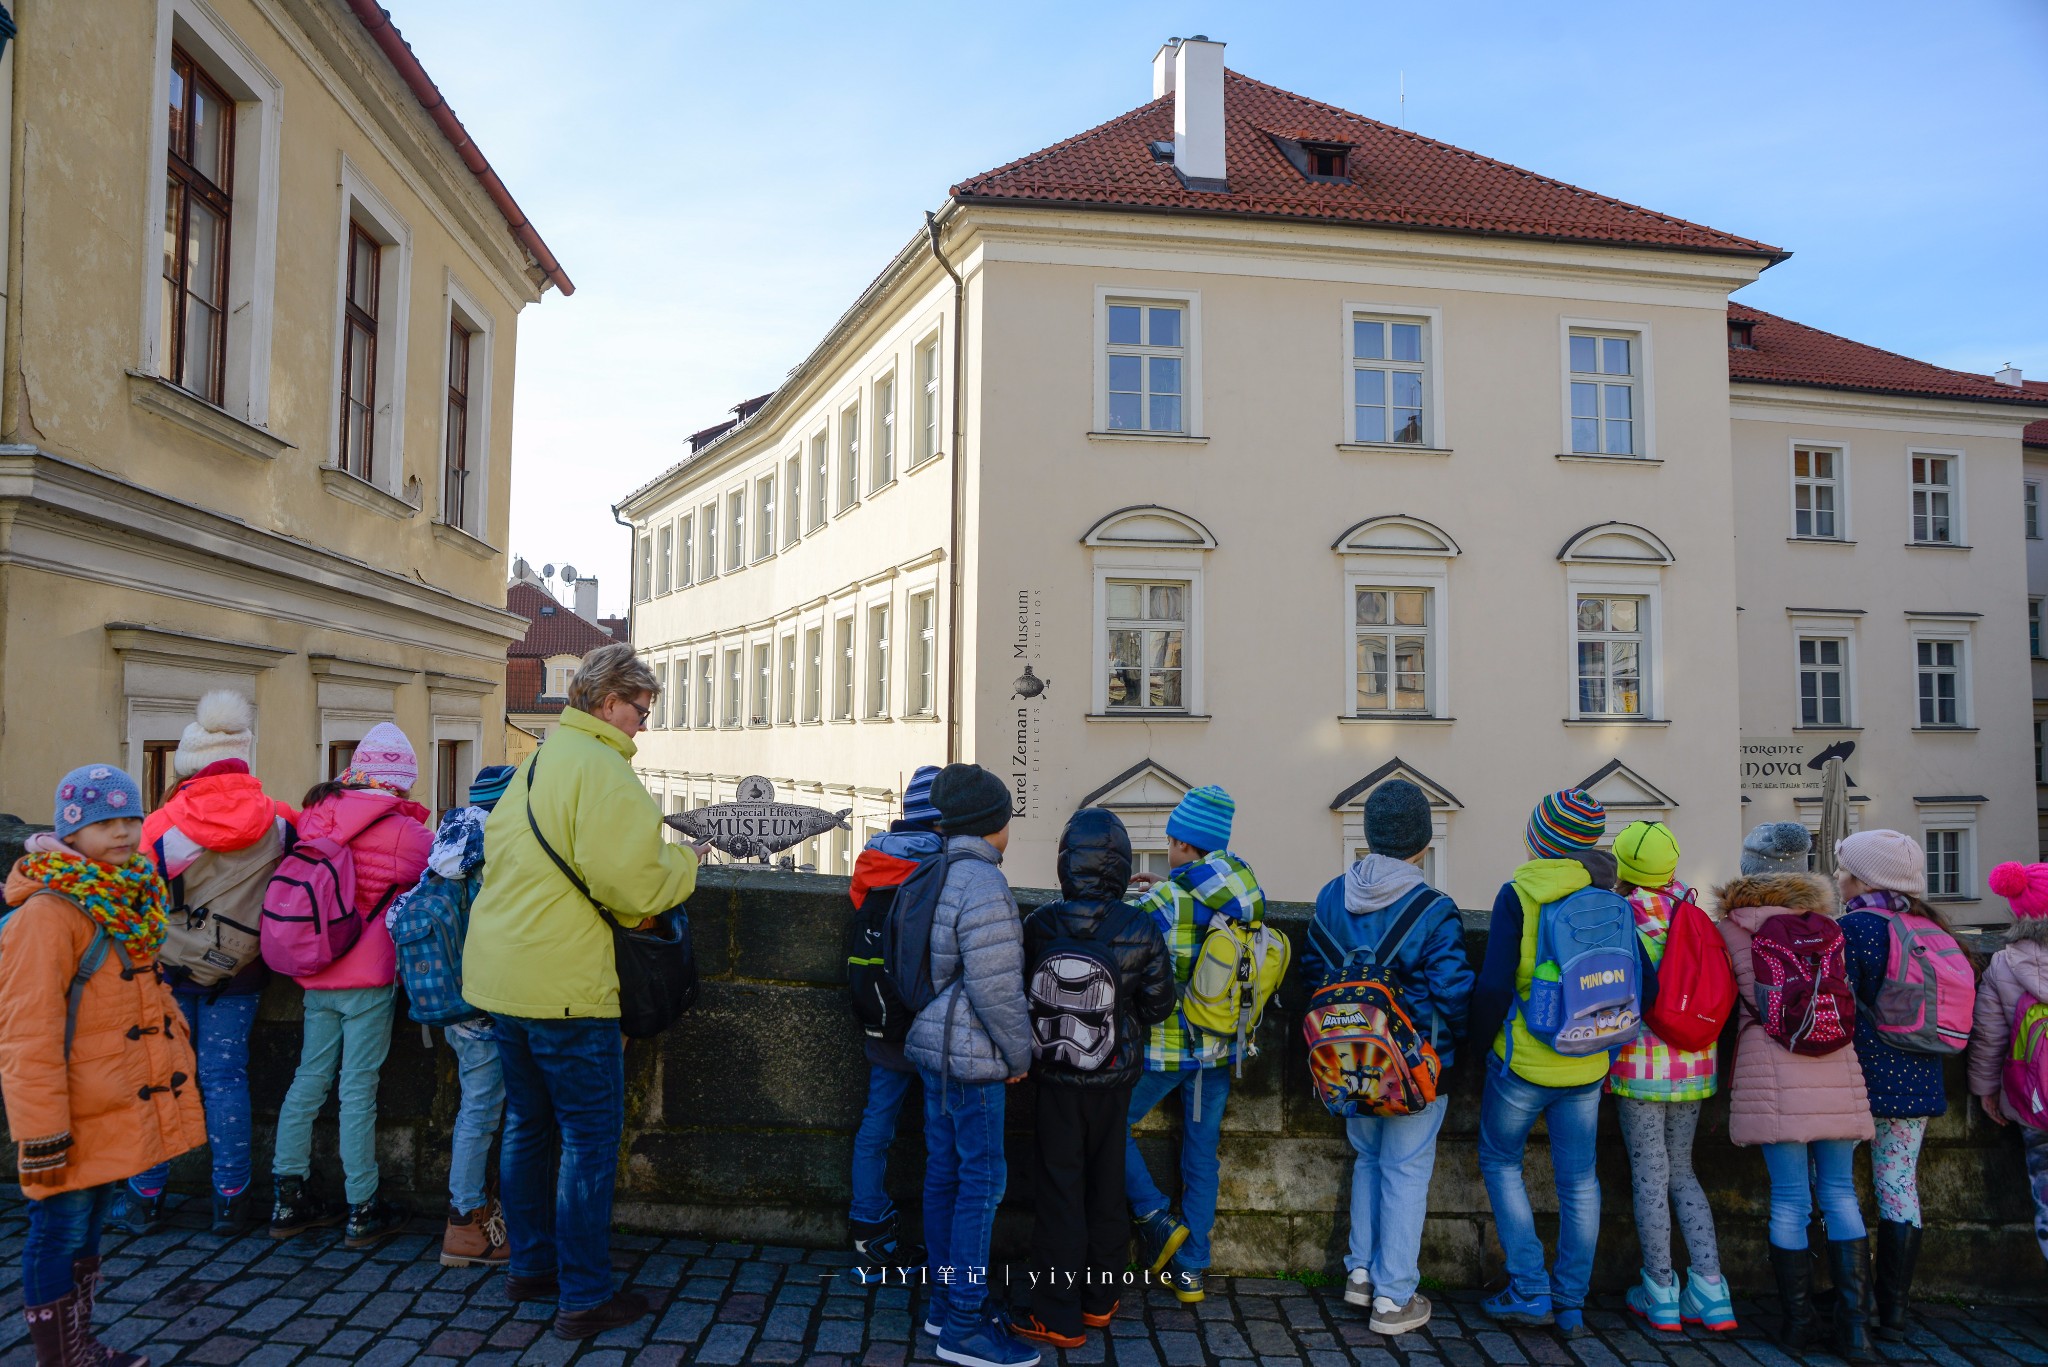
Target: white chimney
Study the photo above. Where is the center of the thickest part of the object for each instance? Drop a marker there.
(1198, 112)
(2010, 376)
(586, 598)
(1162, 68)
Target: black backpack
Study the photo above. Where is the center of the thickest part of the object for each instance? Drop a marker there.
(907, 936)
(1073, 993)
(881, 1013)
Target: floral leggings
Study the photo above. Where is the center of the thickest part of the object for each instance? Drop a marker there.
(1895, 1168)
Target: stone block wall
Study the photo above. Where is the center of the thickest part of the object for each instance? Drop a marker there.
(740, 1124)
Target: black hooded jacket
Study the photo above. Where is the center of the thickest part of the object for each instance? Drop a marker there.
(1095, 870)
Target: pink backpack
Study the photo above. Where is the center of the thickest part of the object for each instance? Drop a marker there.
(309, 909)
(1801, 966)
(1929, 994)
(2026, 1063)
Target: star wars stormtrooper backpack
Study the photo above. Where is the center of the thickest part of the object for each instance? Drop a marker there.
(1073, 994)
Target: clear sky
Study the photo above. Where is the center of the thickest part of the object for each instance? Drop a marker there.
(721, 180)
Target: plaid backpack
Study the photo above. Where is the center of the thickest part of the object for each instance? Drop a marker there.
(428, 926)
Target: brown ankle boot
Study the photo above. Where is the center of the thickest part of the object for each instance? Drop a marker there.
(475, 1238)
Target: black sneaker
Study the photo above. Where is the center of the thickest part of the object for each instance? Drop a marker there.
(296, 1209)
(876, 1245)
(233, 1214)
(373, 1221)
(138, 1214)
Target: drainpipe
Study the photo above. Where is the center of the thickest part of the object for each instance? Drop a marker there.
(632, 572)
(956, 576)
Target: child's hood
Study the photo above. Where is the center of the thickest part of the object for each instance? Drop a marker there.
(225, 812)
(2028, 960)
(1544, 881)
(344, 816)
(458, 844)
(1376, 882)
(1752, 900)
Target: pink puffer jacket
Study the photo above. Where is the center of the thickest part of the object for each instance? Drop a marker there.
(392, 853)
(2020, 969)
(1778, 1096)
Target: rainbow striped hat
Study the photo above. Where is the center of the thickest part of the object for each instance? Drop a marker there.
(1565, 824)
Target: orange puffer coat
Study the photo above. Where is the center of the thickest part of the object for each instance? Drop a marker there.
(127, 1098)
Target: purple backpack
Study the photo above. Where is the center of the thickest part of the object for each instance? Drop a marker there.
(309, 910)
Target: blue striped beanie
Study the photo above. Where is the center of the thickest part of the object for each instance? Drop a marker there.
(917, 797)
(1566, 824)
(489, 785)
(1203, 819)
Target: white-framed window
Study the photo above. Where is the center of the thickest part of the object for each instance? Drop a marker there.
(2034, 628)
(1948, 835)
(222, 355)
(814, 673)
(1391, 649)
(1607, 374)
(373, 304)
(878, 660)
(1148, 566)
(1147, 632)
(1941, 676)
(643, 568)
(707, 687)
(793, 500)
(1817, 492)
(764, 684)
(657, 715)
(1610, 637)
(927, 399)
(707, 558)
(1395, 601)
(1148, 362)
(849, 456)
(680, 712)
(785, 703)
(736, 529)
(1823, 681)
(665, 558)
(1937, 498)
(842, 667)
(466, 418)
(686, 549)
(735, 684)
(764, 516)
(821, 476)
(924, 640)
(1390, 401)
(883, 455)
(2032, 503)
(1152, 861)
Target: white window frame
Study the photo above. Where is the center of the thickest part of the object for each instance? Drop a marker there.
(686, 550)
(682, 680)
(736, 548)
(766, 515)
(733, 657)
(707, 690)
(818, 450)
(1616, 581)
(1159, 565)
(657, 715)
(363, 204)
(761, 681)
(1960, 818)
(2034, 628)
(814, 672)
(1958, 529)
(1932, 630)
(1840, 484)
(878, 678)
(464, 307)
(793, 499)
(1843, 668)
(931, 405)
(1810, 624)
(921, 681)
(707, 535)
(664, 559)
(850, 448)
(1191, 361)
(1434, 436)
(882, 446)
(844, 687)
(252, 245)
(787, 677)
(643, 566)
(1645, 416)
(1361, 573)
(2031, 501)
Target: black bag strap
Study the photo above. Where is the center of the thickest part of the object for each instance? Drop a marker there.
(582, 887)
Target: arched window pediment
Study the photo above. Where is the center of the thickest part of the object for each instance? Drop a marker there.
(1395, 534)
(1616, 543)
(1150, 525)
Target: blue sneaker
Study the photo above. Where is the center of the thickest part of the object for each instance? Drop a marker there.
(1706, 1303)
(1159, 1238)
(1571, 1322)
(990, 1345)
(1657, 1304)
(1509, 1308)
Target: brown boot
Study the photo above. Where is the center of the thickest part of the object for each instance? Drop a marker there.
(58, 1333)
(85, 1283)
(475, 1238)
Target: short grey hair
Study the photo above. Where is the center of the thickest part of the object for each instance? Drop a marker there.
(609, 670)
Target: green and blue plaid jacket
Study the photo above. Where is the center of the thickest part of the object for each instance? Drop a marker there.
(1182, 905)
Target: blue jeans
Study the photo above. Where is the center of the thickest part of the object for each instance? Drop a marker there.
(476, 1118)
(220, 1029)
(1390, 1195)
(964, 1176)
(1833, 1172)
(1199, 1167)
(1507, 1113)
(347, 1029)
(886, 1090)
(565, 1077)
(61, 1228)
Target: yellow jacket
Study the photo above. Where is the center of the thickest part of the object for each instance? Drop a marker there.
(536, 948)
(1537, 884)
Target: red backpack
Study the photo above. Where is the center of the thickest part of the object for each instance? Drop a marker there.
(1695, 982)
(1803, 1000)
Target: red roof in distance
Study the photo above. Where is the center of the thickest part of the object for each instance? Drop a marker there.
(1397, 179)
(1792, 353)
(551, 628)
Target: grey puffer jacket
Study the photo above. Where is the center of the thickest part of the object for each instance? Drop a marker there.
(977, 1029)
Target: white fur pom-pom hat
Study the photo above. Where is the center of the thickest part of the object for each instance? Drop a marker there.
(223, 731)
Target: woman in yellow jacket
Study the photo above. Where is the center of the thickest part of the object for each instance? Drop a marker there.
(539, 958)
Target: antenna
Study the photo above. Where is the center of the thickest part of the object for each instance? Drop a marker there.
(1401, 120)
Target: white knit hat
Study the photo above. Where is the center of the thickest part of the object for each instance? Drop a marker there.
(1885, 859)
(223, 731)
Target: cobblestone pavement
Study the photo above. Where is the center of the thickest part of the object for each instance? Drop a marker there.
(187, 1296)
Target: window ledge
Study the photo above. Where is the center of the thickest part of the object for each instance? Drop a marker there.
(933, 459)
(888, 483)
(759, 725)
(921, 718)
(1180, 437)
(842, 721)
(762, 559)
(870, 721)
(1819, 541)
(1147, 716)
(1394, 719)
(1827, 728)
(852, 507)
(361, 492)
(1617, 721)
(1593, 457)
(1393, 448)
(467, 542)
(1956, 898)
(1945, 730)
(1937, 546)
(194, 414)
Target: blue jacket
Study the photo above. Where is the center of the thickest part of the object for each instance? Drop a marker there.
(1900, 1084)
(1359, 908)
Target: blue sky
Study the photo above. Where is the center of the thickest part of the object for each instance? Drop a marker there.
(720, 181)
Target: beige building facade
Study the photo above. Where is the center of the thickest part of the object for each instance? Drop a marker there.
(257, 407)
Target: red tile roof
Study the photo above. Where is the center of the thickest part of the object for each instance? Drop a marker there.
(552, 629)
(2037, 432)
(524, 676)
(1397, 179)
(1793, 353)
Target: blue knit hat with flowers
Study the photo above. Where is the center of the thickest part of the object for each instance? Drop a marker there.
(1203, 819)
(94, 792)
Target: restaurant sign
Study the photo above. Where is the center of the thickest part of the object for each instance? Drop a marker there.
(1790, 762)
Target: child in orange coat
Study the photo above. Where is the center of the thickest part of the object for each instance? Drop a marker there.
(95, 1065)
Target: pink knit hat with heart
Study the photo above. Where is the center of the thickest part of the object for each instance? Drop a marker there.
(2023, 885)
(384, 757)
(1890, 860)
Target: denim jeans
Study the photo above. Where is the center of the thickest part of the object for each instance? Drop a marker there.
(886, 1090)
(477, 1117)
(1832, 1172)
(964, 1176)
(347, 1029)
(1390, 1195)
(61, 1228)
(220, 1029)
(1199, 1168)
(563, 1078)
(1507, 1112)
(2035, 1144)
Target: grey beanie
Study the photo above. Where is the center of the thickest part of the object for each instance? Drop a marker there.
(1776, 847)
(1397, 821)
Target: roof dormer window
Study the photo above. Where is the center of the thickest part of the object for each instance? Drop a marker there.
(1324, 160)
(1741, 335)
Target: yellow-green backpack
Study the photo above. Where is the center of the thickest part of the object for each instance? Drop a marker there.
(1236, 973)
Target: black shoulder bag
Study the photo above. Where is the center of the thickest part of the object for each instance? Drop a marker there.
(656, 963)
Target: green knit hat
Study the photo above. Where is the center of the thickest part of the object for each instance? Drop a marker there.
(1646, 853)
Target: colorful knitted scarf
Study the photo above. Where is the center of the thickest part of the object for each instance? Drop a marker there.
(129, 901)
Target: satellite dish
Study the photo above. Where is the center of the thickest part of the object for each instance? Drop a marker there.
(569, 573)
(520, 569)
(547, 571)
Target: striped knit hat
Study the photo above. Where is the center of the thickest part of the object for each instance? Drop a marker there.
(917, 797)
(1564, 823)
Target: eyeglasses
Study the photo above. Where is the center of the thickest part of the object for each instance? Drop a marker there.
(644, 712)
